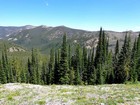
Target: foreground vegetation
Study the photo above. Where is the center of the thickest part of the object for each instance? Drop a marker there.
(28, 94)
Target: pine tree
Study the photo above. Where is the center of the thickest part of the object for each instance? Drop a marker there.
(5, 63)
(63, 66)
(133, 63)
(84, 66)
(138, 58)
(91, 69)
(29, 72)
(100, 57)
(15, 69)
(72, 76)
(56, 68)
(2, 74)
(51, 67)
(115, 60)
(100, 78)
(69, 57)
(89, 66)
(11, 77)
(38, 67)
(23, 76)
(77, 66)
(44, 73)
(33, 68)
(25, 67)
(110, 71)
(123, 66)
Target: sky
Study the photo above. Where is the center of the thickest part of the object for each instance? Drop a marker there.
(115, 15)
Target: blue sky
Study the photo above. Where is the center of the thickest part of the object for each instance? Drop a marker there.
(117, 15)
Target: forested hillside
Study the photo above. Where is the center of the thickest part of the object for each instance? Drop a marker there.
(78, 66)
(44, 37)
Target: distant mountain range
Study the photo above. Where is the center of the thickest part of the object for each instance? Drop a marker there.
(8, 30)
(44, 38)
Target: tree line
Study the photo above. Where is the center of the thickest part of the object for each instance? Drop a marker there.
(81, 66)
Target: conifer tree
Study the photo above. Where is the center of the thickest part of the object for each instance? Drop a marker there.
(133, 63)
(44, 73)
(100, 76)
(69, 57)
(63, 66)
(5, 64)
(99, 50)
(84, 65)
(115, 59)
(38, 67)
(51, 67)
(138, 58)
(123, 66)
(72, 76)
(91, 69)
(23, 76)
(11, 77)
(56, 68)
(89, 66)
(25, 66)
(33, 67)
(77, 66)
(110, 71)
(15, 70)
(29, 72)
(2, 74)
(100, 57)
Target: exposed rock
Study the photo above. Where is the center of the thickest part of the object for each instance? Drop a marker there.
(16, 49)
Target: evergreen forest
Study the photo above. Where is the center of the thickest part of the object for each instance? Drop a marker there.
(76, 66)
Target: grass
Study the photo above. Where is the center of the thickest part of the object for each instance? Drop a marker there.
(28, 94)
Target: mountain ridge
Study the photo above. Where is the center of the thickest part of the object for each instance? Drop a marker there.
(45, 37)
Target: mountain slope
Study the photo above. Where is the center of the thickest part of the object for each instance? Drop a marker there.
(6, 31)
(44, 38)
(14, 50)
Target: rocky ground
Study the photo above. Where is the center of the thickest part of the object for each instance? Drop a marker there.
(28, 94)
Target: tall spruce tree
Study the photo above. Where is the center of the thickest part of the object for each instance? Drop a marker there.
(77, 66)
(15, 69)
(100, 57)
(51, 67)
(115, 60)
(133, 63)
(123, 66)
(72, 76)
(84, 65)
(69, 57)
(33, 67)
(56, 68)
(11, 77)
(91, 69)
(5, 63)
(138, 58)
(44, 73)
(23, 76)
(63, 66)
(110, 71)
(29, 71)
(38, 67)
(2, 74)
